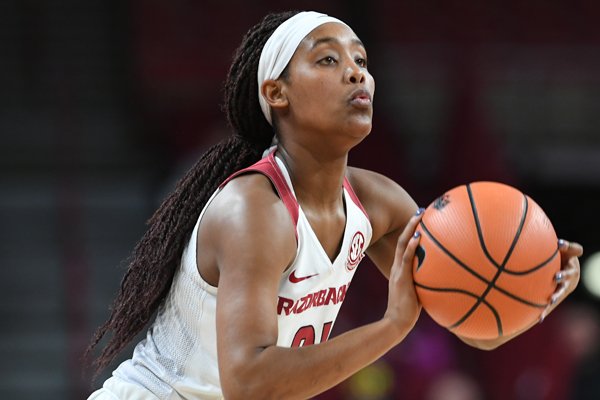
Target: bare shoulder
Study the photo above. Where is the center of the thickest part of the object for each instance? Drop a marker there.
(389, 206)
(248, 223)
(369, 181)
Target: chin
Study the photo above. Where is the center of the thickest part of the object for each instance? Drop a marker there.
(361, 129)
(358, 135)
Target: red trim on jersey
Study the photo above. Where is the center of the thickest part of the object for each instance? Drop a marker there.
(354, 197)
(268, 167)
(326, 331)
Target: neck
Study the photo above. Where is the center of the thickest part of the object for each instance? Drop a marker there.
(317, 177)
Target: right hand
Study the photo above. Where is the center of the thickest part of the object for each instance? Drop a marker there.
(403, 305)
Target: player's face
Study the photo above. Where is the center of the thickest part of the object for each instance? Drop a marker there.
(328, 85)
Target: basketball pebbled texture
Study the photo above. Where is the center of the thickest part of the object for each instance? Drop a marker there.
(486, 261)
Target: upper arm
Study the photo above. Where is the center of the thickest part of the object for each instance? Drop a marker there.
(389, 207)
(252, 239)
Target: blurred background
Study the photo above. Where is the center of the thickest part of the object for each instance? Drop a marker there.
(105, 104)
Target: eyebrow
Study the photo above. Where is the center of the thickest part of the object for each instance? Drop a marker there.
(330, 39)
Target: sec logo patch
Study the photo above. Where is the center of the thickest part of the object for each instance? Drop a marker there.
(355, 253)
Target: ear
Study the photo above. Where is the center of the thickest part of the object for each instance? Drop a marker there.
(275, 94)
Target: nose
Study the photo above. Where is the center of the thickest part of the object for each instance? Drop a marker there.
(355, 74)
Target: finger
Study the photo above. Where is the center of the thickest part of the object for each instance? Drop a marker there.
(559, 294)
(408, 232)
(410, 251)
(559, 276)
(570, 248)
(545, 313)
(567, 280)
(566, 273)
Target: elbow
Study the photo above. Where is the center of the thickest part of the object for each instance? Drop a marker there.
(243, 390)
(230, 393)
(237, 391)
(234, 386)
(245, 382)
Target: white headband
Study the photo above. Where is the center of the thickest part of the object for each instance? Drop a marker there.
(282, 45)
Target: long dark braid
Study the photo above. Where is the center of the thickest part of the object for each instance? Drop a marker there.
(157, 255)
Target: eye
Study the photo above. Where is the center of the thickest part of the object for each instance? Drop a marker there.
(328, 60)
(362, 62)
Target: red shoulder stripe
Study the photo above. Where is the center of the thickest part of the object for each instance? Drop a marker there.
(354, 197)
(268, 167)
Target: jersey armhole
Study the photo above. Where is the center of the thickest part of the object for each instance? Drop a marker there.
(354, 197)
(268, 167)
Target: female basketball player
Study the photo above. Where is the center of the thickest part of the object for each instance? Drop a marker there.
(244, 289)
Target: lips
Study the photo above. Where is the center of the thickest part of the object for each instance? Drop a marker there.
(361, 98)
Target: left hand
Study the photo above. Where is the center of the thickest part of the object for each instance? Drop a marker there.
(566, 278)
(568, 275)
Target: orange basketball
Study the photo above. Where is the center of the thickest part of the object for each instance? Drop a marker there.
(486, 262)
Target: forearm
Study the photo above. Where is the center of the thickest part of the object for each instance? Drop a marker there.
(251, 366)
(300, 373)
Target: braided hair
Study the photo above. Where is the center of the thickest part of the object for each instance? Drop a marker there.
(156, 256)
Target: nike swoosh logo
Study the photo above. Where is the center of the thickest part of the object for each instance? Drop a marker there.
(296, 279)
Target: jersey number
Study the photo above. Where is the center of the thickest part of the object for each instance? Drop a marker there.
(306, 335)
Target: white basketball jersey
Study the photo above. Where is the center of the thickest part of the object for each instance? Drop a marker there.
(178, 358)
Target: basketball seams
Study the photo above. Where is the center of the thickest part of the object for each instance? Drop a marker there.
(500, 268)
(533, 269)
(502, 240)
(449, 254)
(462, 291)
(478, 227)
(519, 299)
(518, 233)
(491, 284)
(453, 290)
(467, 268)
(475, 274)
(480, 230)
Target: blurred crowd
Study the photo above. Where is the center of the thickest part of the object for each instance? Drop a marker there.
(125, 95)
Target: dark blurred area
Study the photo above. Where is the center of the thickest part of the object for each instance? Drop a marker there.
(105, 104)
